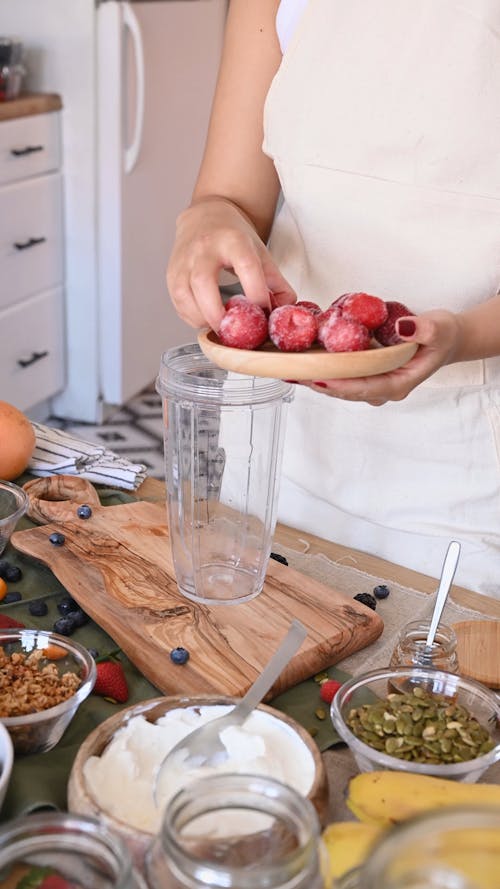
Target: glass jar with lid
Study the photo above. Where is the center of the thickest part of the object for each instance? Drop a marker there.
(232, 831)
(76, 852)
(411, 645)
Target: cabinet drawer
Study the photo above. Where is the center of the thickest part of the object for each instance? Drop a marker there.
(29, 146)
(32, 356)
(31, 237)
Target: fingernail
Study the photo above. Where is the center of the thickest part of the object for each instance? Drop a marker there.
(406, 327)
(321, 384)
(289, 381)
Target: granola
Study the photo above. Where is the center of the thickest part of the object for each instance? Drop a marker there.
(30, 683)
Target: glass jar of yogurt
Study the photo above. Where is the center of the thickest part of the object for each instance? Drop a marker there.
(67, 851)
(237, 832)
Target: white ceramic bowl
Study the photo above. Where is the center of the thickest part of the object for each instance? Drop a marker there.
(81, 800)
(40, 731)
(6, 761)
(367, 688)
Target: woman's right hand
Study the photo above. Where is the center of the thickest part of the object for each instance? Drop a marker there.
(215, 234)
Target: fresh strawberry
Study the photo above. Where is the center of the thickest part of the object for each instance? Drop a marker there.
(111, 681)
(7, 623)
(386, 334)
(328, 690)
(54, 881)
(368, 310)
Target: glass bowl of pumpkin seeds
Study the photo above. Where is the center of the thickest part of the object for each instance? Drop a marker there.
(416, 719)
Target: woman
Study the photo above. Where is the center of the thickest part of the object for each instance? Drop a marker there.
(380, 124)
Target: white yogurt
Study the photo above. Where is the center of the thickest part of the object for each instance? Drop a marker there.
(121, 779)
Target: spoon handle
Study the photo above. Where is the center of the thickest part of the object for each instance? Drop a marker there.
(446, 579)
(290, 644)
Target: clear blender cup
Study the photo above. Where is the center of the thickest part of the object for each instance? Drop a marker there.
(223, 448)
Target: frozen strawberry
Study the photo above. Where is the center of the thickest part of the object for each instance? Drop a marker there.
(307, 304)
(235, 300)
(386, 334)
(292, 328)
(111, 681)
(339, 334)
(244, 326)
(328, 690)
(368, 310)
(332, 312)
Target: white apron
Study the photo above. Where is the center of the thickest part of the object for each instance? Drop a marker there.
(384, 125)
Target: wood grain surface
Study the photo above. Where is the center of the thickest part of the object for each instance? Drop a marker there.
(315, 364)
(118, 567)
(28, 104)
(478, 650)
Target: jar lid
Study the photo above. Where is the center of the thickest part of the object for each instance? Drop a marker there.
(5, 50)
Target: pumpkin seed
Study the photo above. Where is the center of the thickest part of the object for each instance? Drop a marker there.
(420, 726)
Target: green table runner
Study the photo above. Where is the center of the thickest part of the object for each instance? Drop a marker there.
(40, 780)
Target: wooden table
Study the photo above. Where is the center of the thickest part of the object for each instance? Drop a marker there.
(153, 489)
(339, 763)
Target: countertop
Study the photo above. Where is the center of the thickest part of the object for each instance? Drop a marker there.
(28, 104)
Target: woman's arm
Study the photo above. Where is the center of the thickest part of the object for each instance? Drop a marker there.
(235, 196)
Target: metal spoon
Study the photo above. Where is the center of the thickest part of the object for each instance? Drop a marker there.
(203, 746)
(445, 582)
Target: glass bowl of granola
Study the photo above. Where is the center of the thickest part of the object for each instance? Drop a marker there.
(44, 678)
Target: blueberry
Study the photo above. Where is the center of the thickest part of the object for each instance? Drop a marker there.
(57, 538)
(78, 617)
(381, 591)
(11, 573)
(64, 626)
(38, 608)
(4, 565)
(12, 597)
(366, 599)
(84, 511)
(179, 655)
(66, 605)
(93, 652)
(278, 558)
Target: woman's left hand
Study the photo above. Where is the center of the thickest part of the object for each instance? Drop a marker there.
(438, 334)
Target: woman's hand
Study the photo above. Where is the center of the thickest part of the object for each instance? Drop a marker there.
(440, 337)
(212, 235)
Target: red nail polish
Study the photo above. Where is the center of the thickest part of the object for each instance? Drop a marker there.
(406, 327)
(321, 384)
(289, 381)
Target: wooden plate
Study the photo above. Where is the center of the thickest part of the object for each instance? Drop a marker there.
(478, 646)
(315, 364)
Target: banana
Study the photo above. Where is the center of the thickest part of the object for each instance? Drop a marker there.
(384, 798)
(347, 844)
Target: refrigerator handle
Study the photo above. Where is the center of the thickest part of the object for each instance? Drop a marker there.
(131, 152)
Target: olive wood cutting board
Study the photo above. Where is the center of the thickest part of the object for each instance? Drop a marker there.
(117, 565)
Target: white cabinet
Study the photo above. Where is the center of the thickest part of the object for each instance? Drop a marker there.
(31, 259)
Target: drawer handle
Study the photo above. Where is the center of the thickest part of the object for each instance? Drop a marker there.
(35, 356)
(31, 243)
(30, 149)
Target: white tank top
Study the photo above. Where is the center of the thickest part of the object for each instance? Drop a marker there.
(287, 19)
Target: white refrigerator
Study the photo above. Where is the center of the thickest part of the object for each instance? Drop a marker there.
(137, 80)
(157, 62)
